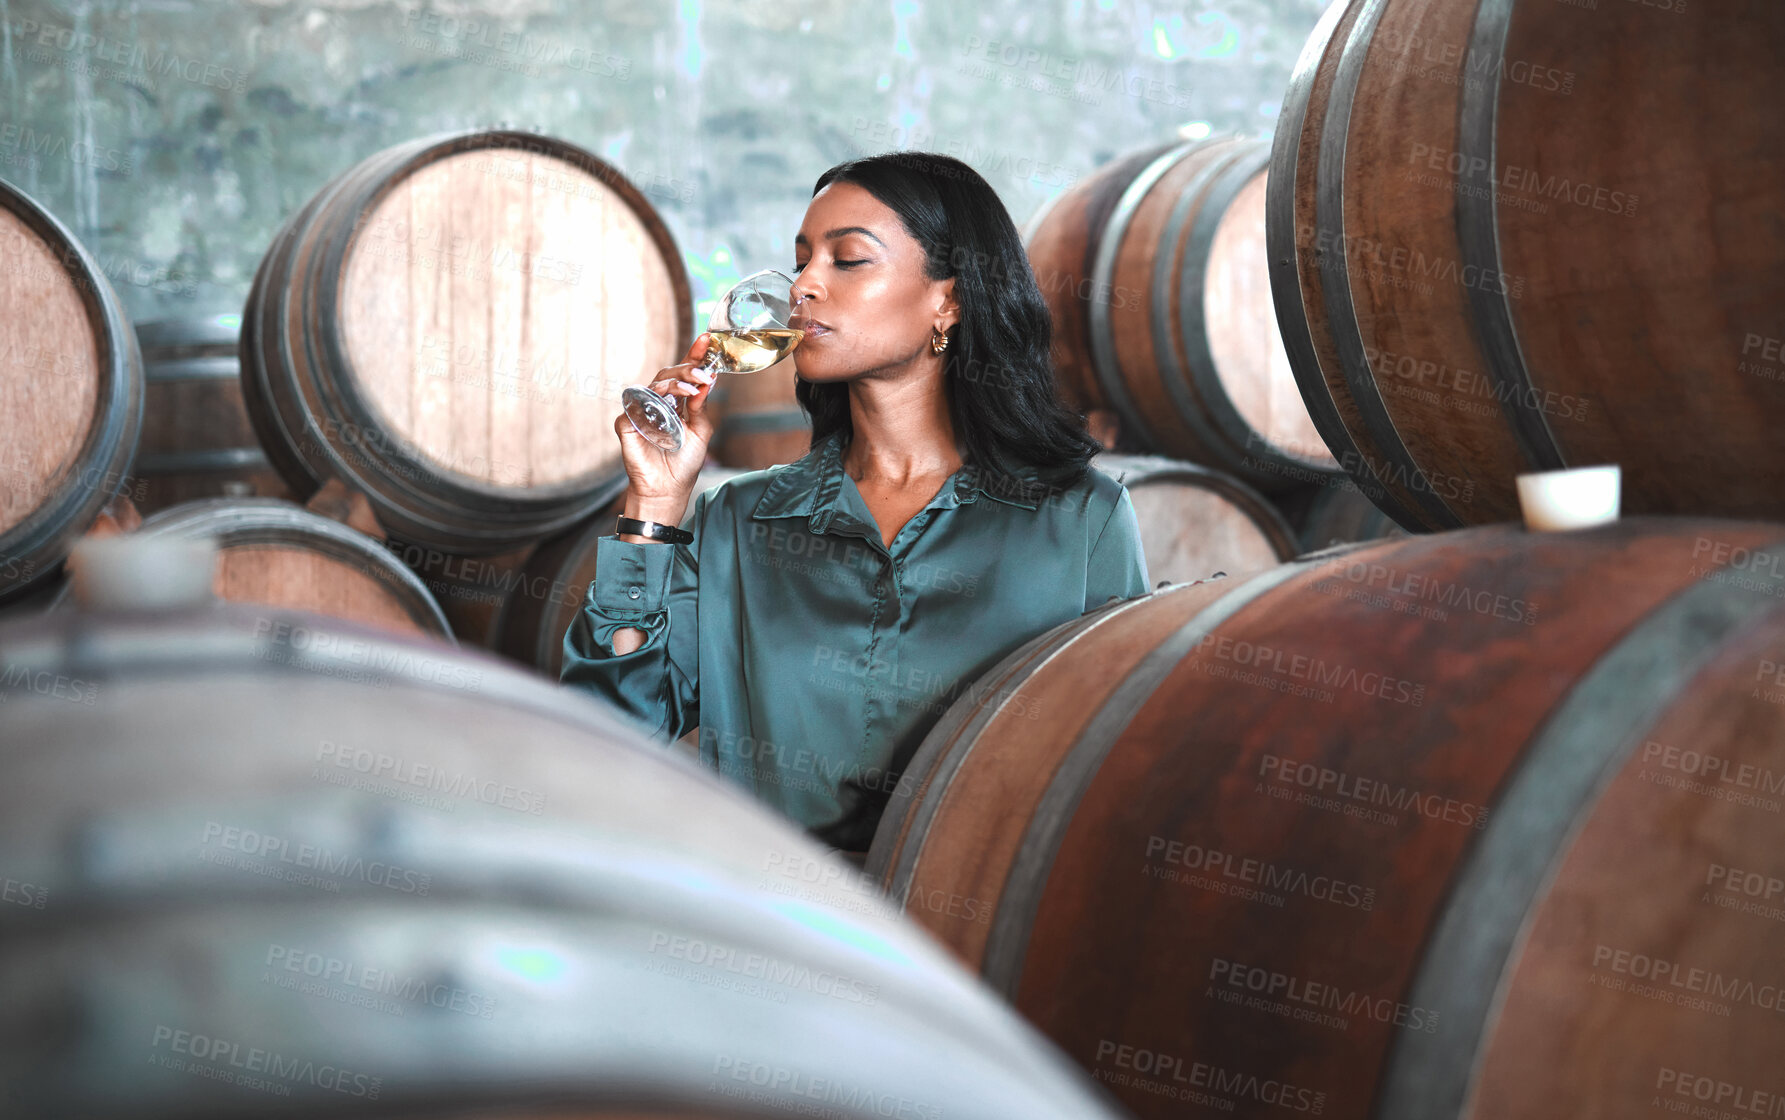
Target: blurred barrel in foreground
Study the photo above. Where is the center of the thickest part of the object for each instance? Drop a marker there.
(447, 327)
(760, 422)
(1155, 272)
(71, 392)
(547, 592)
(264, 858)
(197, 440)
(277, 554)
(1529, 235)
(1195, 522)
(1471, 824)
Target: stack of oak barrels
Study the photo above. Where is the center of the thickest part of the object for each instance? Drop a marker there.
(1155, 272)
(276, 844)
(1471, 821)
(1412, 813)
(414, 397)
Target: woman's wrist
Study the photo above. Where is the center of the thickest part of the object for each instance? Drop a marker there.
(662, 511)
(647, 509)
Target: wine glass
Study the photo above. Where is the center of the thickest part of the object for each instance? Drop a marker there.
(749, 332)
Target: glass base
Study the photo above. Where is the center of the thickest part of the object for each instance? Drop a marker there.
(654, 415)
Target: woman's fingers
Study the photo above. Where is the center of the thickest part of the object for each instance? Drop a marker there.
(686, 384)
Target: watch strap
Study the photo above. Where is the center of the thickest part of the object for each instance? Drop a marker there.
(655, 530)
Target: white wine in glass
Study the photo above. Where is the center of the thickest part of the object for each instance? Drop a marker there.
(749, 333)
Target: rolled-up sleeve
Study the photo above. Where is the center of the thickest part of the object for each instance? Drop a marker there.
(653, 588)
(1118, 567)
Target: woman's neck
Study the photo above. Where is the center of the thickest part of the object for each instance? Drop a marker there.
(903, 432)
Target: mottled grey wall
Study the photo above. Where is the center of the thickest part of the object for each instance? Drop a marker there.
(173, 136)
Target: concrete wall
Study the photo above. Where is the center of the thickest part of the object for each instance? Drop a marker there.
(173, 136)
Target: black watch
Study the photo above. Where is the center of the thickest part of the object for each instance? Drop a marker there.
(656, 530)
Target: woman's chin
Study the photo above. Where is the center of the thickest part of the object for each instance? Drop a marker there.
(818, 371)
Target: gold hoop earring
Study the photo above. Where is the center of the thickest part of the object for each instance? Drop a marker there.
(938, 341)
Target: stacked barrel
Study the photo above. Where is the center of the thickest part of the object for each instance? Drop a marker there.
(430, 358)
(71, 394)
(1515, 237)
(1477, 824)
(1155, 271)
(300, 846)
(1445, 818)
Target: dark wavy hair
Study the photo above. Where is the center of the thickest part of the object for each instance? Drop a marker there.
(998, 372)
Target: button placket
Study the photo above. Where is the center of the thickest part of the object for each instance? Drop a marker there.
(870, 703)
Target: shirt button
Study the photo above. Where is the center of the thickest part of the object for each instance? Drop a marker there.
(634, 592)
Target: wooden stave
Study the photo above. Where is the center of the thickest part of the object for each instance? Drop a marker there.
(1523, 354)
(1296, 283)
(569, 502)
(264, 345)
(1134, 470)
(239, 662)
(1164, 407)
(1100, 367)
(897, 859)
(1137, 399)
(1333, 209)
(1179, 360)
(1710, 309)
(1341, 515)
(246, 522)
(1062, 243)
(33, 550)
(1288, 466)
(501, 607)
(198, 350)
(441, 511)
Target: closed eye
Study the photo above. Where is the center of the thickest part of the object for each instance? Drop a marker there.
(850, 264)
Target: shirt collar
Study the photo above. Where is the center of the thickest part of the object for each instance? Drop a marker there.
(812, 487)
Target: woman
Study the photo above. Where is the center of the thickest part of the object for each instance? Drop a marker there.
(828, 611)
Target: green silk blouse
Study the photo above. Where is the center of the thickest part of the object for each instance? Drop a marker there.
(813, 658)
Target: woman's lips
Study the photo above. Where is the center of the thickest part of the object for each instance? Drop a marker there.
(814, 330)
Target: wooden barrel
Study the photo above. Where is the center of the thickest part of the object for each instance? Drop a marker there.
(1524, 236)
(1195, 522)
(542, 600)
(1339, 514)
(267, 863)
(277, 554)
(760, 422)
(447, 327)
(1155, 272)
(1475, 824)
(197, 440)
(473, 590)
(71, 392)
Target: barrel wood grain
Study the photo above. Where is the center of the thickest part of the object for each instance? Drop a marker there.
(1175, 328)
(197, 440)
(1190, 830)
(71, 391)
(278, 555)
(1529, 236)
(1195, 522)
(446, 326)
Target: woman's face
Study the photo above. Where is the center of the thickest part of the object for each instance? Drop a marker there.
(859, 291)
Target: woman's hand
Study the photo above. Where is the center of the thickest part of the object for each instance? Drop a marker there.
(662, 481)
